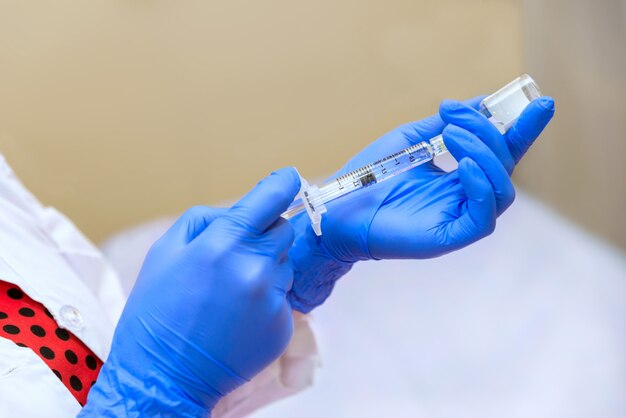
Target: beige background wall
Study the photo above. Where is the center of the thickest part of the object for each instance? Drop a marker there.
(578, 49)
(119, 111)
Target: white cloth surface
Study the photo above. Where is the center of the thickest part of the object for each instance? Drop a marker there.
(46, 255)
(530, 322)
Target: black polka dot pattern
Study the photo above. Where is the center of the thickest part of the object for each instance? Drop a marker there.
(71, 356)
(91, 362)
(75, 383)
(27, 312)
(31, 326)
(11, 329)
(47, 352)
(15, 293)
(38, 331)
(62, 334)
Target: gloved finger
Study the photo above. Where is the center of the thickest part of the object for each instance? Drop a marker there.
(479, 218)
(396, 140)
(283, 280)
(474, 102)
(457, 113)
(400, 138)
(277, 240)
(191, 224)
(425, 129)
(262, 206)
(462, 143)
(528, 126)
(421, 130)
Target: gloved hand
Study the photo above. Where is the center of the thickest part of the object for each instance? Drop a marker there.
(208, 311)
(424, 212)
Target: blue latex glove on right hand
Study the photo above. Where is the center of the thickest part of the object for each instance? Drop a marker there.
(424, 212)
(208, 311)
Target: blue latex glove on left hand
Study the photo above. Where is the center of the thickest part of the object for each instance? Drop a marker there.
(424, 212)
(208, 311)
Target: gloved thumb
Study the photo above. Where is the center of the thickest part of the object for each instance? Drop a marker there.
(262, 206)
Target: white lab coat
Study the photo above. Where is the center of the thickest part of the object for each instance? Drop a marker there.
(43, 253)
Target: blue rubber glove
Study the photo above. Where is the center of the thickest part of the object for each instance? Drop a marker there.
(424, 212)
(208, 311)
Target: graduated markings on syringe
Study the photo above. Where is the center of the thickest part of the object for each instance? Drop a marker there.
(368, 175)
(376, 172)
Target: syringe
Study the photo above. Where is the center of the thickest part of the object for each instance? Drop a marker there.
(502, 108)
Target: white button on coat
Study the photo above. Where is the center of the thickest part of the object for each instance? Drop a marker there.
(71, 318)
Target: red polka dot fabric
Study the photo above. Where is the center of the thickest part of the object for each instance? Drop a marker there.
(29, 324)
